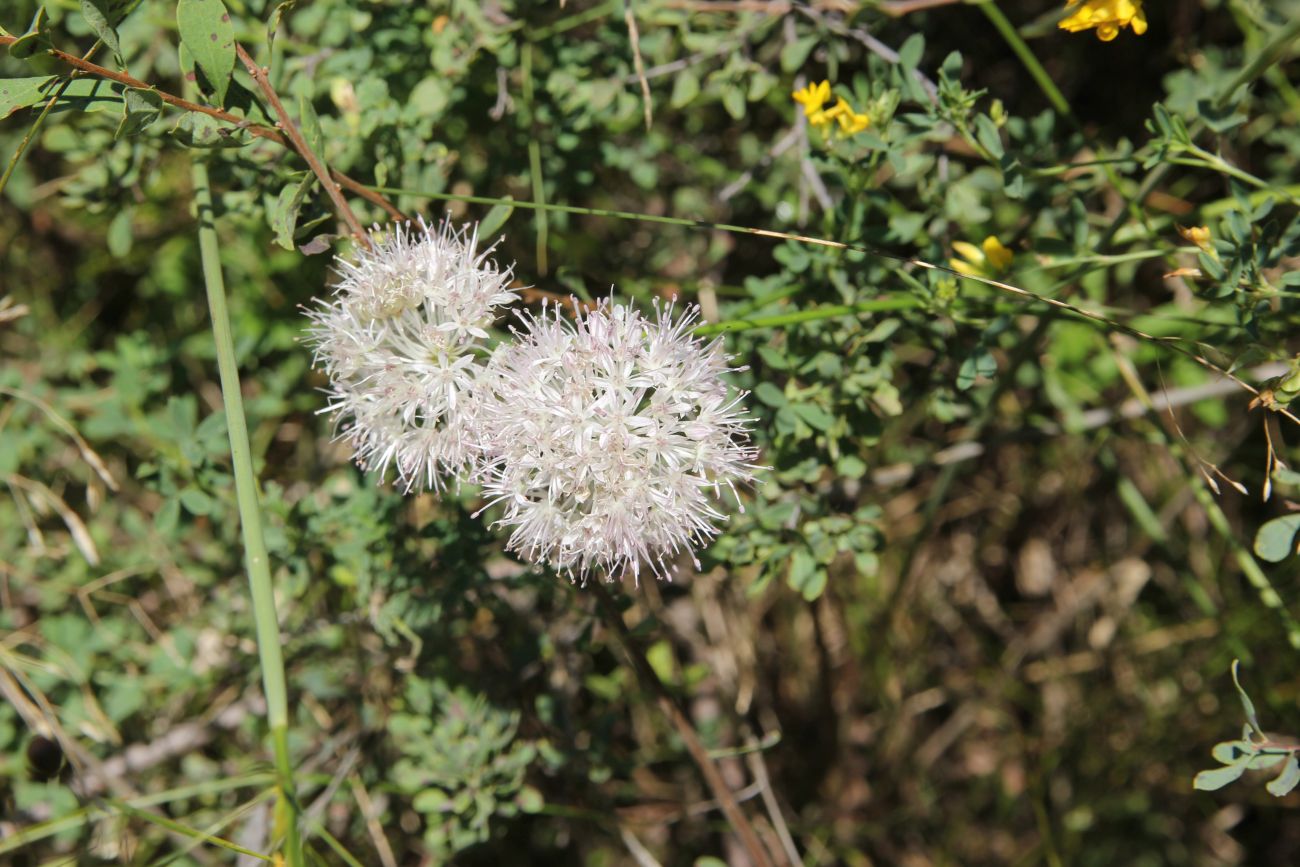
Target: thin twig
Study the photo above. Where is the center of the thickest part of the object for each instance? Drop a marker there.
(708, 768)
(300, 145)
(630, 18)
(256, 130)
(758, 768)
(371, 816)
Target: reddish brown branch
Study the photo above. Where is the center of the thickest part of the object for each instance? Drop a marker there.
(304, 150)
(256, 130)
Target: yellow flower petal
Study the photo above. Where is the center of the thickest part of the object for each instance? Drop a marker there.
(997, 255)
(841, 107)
(812, 97)
(963, 267)
(1107, 16)
(969, 252)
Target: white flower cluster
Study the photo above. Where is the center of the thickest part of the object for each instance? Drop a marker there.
(402, 342)
(605, 439)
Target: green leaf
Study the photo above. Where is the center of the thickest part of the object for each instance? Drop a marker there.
(198, 130)
(770, 394)
(1275, 540)
(795, 53)
(986, 132)
(120, 237)
(685, 88)
(733, 100)
(851, 467)
(273, 23)
(951, 66)
(495, 219)
(816, 585)
(18, 93)
(1229, 752)
(196, 502)
(1208, 781)
(814, 416)
(36, 39)
(806, 576)
(209, 36)
(309, 123)
(282, 215)
(1220, 119)
(167, 517)
(140, 108)
(103, 17)
(909, 54)
(660, 657)
(1265, 760)
(979, 363)
(1246, 704)
(1287, 780)
(530, 800)
(90, 94)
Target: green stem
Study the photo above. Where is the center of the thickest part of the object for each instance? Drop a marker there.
(578, 19)
(1204, 158)
(40, 121)
(826, 311)
(250, 514)
(31, 134)
(1036, 70)
(1219, 207)
(534, 157)
(1262, 62)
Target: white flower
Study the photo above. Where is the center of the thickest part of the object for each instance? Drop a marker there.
(401, 342)
(606, 440)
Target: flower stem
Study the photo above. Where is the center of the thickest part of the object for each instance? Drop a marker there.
(534, 157)
(250, 516)
(1261, 62)
(825, 311)
(1035, 69)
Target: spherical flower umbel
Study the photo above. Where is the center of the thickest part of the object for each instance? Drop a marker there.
(606, 440)
(401, 343)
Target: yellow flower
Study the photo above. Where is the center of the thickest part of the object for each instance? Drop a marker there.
(1198, 235)
(822, 117)
(990, 259)
(1108, 16)
(812, 97)
(852, 122)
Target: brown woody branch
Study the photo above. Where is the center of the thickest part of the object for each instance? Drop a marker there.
(256, 130)
(300, 145)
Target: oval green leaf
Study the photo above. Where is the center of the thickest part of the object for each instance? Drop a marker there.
(206, 31)
(1276, 539)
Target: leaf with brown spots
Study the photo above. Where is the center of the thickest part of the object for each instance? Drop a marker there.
(206, 31)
